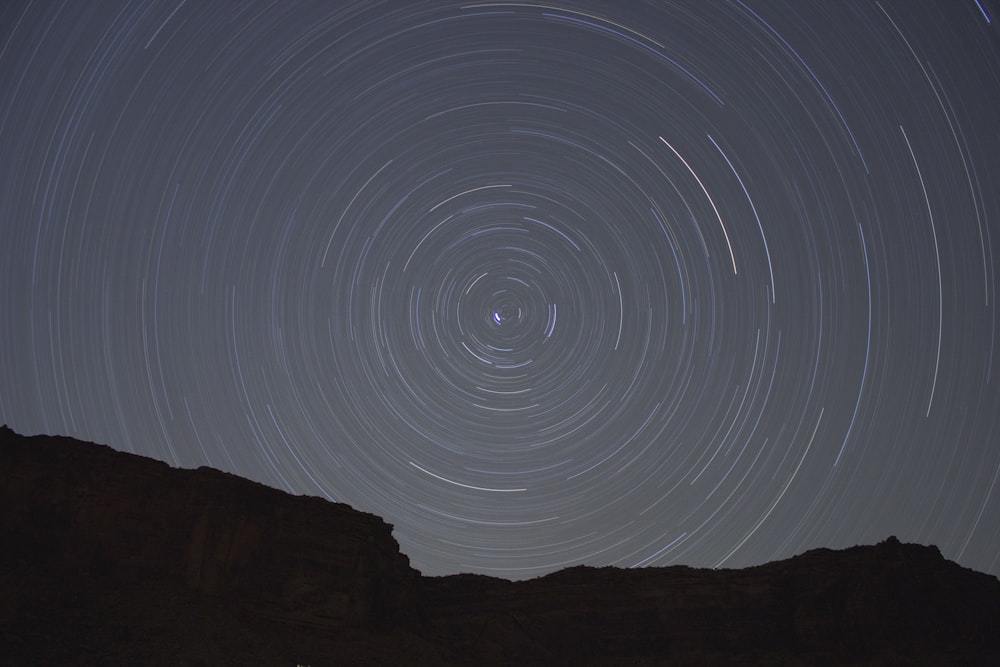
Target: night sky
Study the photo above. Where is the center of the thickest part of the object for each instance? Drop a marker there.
(541, 284)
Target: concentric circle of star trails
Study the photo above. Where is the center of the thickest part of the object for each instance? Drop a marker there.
(539, 283)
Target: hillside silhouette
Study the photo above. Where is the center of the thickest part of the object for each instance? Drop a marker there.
(111, 558)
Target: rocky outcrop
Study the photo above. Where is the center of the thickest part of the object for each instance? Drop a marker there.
(111, 558)
(885, 604)
(122, 537)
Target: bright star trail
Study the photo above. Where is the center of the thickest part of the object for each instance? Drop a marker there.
(541, 284)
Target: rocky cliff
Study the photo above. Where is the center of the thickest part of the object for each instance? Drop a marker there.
(111, 558)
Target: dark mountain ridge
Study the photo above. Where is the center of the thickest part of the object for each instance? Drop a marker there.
(112, 558)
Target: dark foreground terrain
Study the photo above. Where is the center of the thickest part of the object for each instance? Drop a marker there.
(108, 558)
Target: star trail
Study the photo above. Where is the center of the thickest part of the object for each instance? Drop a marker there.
(540, 283)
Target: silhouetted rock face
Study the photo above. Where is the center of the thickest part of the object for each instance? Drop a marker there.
(83, 527)
(111, 558)
(886, 604)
